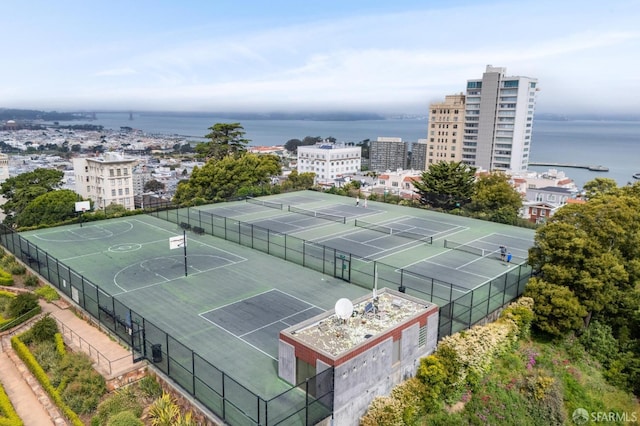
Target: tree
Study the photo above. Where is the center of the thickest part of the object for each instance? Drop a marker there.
(49, 208)
(600, 186)
(292, 145)
(446, 185)
(229, 177)
(494, 198)
(557, 309)
(153, 186)
(20, 190)
(297, 180)
(224, 139)
(594, 250)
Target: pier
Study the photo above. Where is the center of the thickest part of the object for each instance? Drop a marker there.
(575, 166)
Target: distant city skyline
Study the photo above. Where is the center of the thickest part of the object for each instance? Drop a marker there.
(368, 56)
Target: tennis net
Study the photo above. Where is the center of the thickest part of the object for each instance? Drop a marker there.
(270, 204)
(320, 215)
(467, 248)
(391, 231)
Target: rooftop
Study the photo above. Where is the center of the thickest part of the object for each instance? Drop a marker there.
(334, 336)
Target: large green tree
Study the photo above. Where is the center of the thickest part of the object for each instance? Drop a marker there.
(22, 189)
(224, 139)
(297, 180)
(446, 185)
(594, 250)
(494, 198)
(230, 177)
(48, 209)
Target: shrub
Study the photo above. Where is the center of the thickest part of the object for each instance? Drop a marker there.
(383, 411)
(163, 411)
(44, 330)
(45, 353)
(8, 415)
(150, 387)
(16, 268)
(121, 400)
(25, 355)
(6, 278)
(22, 304)
(598, 340)
(31, 280)
(60, 346)
(125, 418)
(48, 293)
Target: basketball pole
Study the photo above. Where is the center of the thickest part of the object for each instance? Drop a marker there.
(184, 244)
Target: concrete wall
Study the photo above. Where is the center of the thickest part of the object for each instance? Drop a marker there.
(287, 362)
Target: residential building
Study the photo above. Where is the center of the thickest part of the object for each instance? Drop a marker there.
(498, 121)
(141, 175)
(388, 154)
(446, 123)
(419, 155)
(329, 161)
(105, 180)
(398, 183)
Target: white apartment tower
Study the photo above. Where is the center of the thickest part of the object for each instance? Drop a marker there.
(499, 121)
(329, 161)
(105, 180)
(446, 124)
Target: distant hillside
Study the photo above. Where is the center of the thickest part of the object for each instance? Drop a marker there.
(311, 116)
(591, 117)
(30, 114)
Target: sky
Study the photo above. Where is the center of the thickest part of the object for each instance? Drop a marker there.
(387, 57)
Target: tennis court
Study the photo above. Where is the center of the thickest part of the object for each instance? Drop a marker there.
(253, 268)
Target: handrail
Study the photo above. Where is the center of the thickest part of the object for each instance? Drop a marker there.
(99, 356)
(19, 320)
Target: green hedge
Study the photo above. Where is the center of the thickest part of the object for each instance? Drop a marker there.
(60, 347)
(9, 415)
(27, 357)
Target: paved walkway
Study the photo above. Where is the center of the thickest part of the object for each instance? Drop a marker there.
(30, 401)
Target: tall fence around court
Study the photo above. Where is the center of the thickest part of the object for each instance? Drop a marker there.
(307, 403)
(459, 307)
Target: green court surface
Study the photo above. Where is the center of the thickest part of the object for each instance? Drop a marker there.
(235, 298)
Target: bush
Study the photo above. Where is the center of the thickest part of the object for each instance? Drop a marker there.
(122, 400)
(150, 387)
(16, 268)
(47, 293)
(6, 278)
(44, 330)
(46, 355)
(22, 304)
(125, 418)
(60, 346)
(8, 415)
(31, 281)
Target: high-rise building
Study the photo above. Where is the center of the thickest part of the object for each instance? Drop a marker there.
(105, 180)
(446, 124)
(419, 155)
(388, 154)
(499, 121)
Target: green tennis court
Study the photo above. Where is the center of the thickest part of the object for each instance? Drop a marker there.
(253, 268)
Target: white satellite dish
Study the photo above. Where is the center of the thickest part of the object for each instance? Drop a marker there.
(344, 308)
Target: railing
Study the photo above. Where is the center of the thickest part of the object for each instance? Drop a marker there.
(85, 346)
(22, 318)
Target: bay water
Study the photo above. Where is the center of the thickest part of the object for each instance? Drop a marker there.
(613, 144)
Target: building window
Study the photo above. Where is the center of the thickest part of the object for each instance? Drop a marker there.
(395, 356)
(111, 173)
(113, 192)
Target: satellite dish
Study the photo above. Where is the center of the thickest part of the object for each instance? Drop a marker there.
(344, 308)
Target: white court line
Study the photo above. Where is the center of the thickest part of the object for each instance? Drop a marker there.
(194, 240)
(236, 301)
(239, 338)
(464, 272)
(277, 321)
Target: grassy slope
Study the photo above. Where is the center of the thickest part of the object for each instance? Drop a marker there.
(539, 383)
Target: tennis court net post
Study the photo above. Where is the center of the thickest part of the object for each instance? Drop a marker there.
(270, 204)
(466, 248)
(320, 215)
(391, 231)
